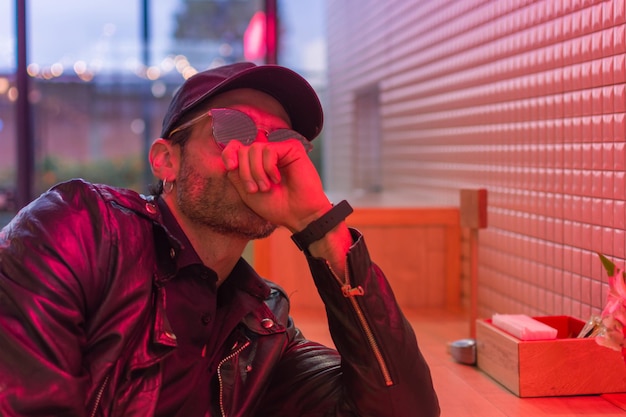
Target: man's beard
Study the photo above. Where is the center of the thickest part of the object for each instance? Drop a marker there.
(214, 203)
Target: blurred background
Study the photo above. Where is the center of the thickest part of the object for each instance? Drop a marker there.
(101, 73)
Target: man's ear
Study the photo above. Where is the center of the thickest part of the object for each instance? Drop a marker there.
(164, 159)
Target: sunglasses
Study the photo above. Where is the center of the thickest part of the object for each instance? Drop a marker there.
(231, 124)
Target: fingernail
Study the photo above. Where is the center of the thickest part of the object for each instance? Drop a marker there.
(263, 186)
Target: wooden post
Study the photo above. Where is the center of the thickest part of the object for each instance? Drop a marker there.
(473, 210)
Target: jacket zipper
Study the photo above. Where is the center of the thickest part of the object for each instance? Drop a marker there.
(219, 374)
(351, 293)
(99, 396)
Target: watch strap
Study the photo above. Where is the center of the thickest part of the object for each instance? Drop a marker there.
(317, 229)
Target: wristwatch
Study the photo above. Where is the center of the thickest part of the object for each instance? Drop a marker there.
(317, 229)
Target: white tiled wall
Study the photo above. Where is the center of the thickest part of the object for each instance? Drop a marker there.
(523, 98)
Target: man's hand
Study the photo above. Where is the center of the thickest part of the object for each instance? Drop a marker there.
(278, 181)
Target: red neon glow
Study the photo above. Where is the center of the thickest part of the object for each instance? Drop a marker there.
(254, 46)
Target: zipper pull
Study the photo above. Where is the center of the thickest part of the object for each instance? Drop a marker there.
(352, 292)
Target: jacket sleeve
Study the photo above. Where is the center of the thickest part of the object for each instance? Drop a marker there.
(378, 369)
(45, 252)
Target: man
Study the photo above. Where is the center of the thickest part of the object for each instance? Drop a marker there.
(115, 304)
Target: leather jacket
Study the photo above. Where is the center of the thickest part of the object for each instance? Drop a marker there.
(83, 327)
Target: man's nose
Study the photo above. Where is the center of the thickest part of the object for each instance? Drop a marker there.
(261, 135)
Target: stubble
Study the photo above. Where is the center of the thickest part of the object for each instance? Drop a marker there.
(213, 202)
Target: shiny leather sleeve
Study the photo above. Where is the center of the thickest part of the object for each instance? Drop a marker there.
(43, 252)
(56, 259)
(378, 369)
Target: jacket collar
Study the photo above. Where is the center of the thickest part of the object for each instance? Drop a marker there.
(185, 254)
(247, 280)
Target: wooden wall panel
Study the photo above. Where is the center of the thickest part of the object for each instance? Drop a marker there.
(417, 248)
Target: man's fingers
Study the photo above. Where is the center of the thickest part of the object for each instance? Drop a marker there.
(243, 159)
(256, 158)
(270, 165)
(262, 164)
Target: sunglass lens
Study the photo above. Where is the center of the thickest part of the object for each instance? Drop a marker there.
(229, 124)
(280, 135)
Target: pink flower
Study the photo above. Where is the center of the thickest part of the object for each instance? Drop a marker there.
(613, 331)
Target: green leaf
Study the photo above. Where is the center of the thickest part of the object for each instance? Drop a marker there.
(608, 264)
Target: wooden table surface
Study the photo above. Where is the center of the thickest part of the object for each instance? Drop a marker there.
(464, 390)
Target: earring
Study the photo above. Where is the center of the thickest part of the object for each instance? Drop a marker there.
(167, 186)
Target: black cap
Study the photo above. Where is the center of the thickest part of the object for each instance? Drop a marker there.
(292, 91)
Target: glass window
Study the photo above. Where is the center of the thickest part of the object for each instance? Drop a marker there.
(100, 84)
(8, 94)
(367, 155)
(90, 92)
(302, 47)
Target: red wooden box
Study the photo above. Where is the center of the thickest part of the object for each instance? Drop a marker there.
(541, 368)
